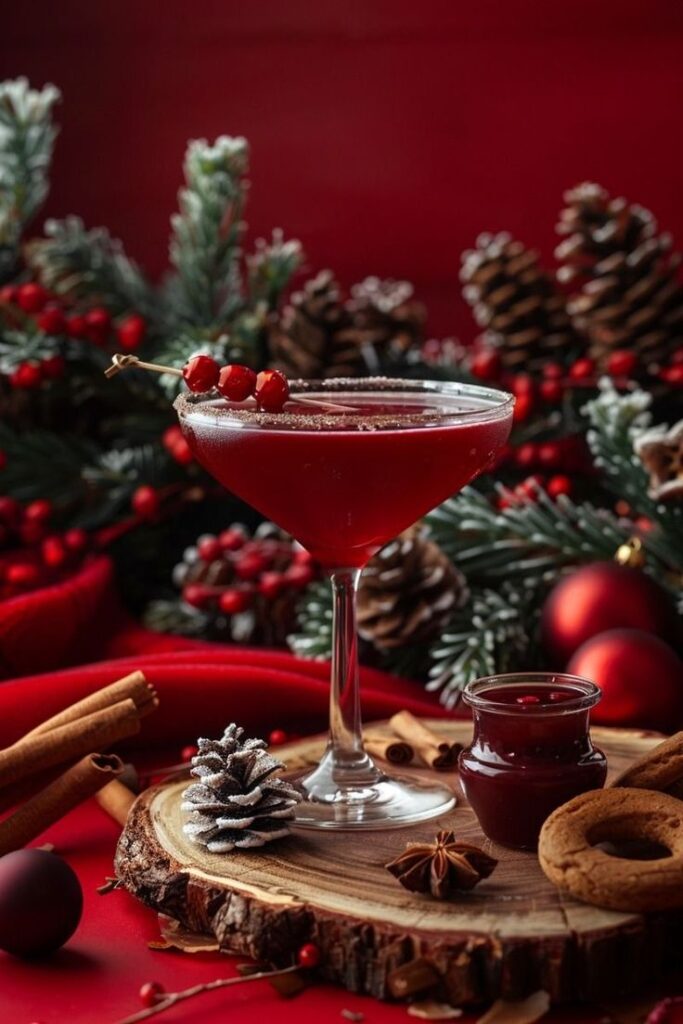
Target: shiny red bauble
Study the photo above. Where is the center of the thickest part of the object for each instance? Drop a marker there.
(200, 373)
(236, 382)
(272, 390)
(640, 676)
(41, 903)
(601, 596)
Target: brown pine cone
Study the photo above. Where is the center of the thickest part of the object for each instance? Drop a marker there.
(315, 338)
(517, 303)
(407, 592)
(388, 320)
(628, 293)
(661, 452)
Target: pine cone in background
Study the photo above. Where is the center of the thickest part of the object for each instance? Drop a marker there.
(320, 335)
(629, 296)
(238, 801)
(315, 337)
(519, 306)
(661, 452)
(407, 593)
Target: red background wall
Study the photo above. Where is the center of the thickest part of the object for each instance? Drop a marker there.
(384, 134)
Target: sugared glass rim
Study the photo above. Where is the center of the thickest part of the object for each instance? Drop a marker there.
(212, 409)
(475, 692)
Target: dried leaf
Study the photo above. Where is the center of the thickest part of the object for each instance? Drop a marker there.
(523, 1011)
(175, 936)
(429, 1009)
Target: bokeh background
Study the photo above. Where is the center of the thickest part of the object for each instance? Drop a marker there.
(385, 134)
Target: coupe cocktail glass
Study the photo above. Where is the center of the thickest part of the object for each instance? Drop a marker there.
(344, 473)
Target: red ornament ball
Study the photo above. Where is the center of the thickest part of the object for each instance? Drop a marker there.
(200, 373)
(599, 597)
(31, 297)
(236, 383)
(308, 955)
(272, 390)
(131, 332)
(640, 676)
(41, 902)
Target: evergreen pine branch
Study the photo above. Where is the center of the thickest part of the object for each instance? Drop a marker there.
(179, 347)
(314, 616)
(207, 231)
(176, 617)
(115, 474)
(27, 137)
(271, 267)
(90, 265)
(44, 464)
(17, 346)
(491, 633)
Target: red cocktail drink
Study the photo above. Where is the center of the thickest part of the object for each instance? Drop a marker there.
(531, 751)
(344, 468)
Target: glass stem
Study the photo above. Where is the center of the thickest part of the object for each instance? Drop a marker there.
(346, 737)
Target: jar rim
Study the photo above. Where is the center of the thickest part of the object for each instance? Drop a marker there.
(477, 693)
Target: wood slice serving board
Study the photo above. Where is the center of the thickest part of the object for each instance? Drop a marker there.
(513, 934)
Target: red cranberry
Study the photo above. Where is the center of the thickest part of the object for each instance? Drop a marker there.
(76, 540)
(551, 390)
(231, 539)
(171, 436)
(131, 332)
(32, 532)
(181, 452)
(200, 373)
(549, 454)
(308, 955)
(51, 320)
(97, 325)
(53, 552)
(621, 363)
(525, 456)
(8, 295)
(673, 375)
(151, 993)
(233, 601)
(553, 371)
(524, 405)
(188, 752)
(299, 576)
(272, 390)
(558, 485)
(196, 595)
(145, 502)
(209, 549)
(31, 297)
(39, 511)
(236, 383)
(251, 565)
(271, 584)
(76, 327)
(277, 738)
(485, 364)
(582, 369)
(22, 574)
(27, 377)
(522, 384)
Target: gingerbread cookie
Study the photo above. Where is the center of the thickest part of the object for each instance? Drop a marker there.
(569, 857)
(660, 769)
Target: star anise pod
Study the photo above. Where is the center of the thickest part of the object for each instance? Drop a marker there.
(442, 868)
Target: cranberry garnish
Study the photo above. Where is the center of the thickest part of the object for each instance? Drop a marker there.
(200, 373)
(272, 390)
(236, 382)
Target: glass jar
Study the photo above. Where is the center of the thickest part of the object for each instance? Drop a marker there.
(531, 751)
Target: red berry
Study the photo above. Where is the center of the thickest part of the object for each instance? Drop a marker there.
(53, 552)
(524, 405)
(250, 565)
(27, 376)
(181, 452)
(673, 375)
(277, 738)
(145, 502)
(529, 698)
(76, 326)
(236, 382)
(525, 456)
(308, 955)
(272, 390)
(97, 325)
(10, 511)
(582, 369)
(196, 595)
(131, 332)
(551, 390)
(22, 574)
(233, 601)
(39, 511)
(485, 364)
(53, 367)
(621, 363)
(8, 294)
(558, 485)
(231, 539)
(529, 488)
(522, 384)
(76, 540)
(171, 436)
(553, 371)
(200, 373)
(51, 320)
(188, 752)
(271, 584)
(32, 533)
(209, 549)
(299, 576)
(300, 556)
(151, 993)
(549, 455)
(31, 297)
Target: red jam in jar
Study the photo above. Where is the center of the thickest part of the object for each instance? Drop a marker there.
(531, 751)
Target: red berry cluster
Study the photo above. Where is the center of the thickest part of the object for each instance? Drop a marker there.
(237, 571)
(568, 454)
(32, 553)
(176, 445)
(237, 383)
(32, 302)
(528, 490)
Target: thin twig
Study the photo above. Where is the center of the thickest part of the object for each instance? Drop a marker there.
(171, 998)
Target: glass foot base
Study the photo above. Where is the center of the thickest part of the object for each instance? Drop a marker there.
(362, 797)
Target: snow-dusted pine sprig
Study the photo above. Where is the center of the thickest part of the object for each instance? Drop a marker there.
(314, 615)
(271, 267)
(27, 137)
(239, 801)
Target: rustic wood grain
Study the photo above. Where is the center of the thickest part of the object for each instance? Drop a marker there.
(513, 934)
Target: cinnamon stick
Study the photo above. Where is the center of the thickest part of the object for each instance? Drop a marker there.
(388, 748)
(117, 800)
(83, 779)
(64, 743)
(131, 687)
(432, 749)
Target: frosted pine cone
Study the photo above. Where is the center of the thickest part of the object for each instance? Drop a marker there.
(238, 802)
